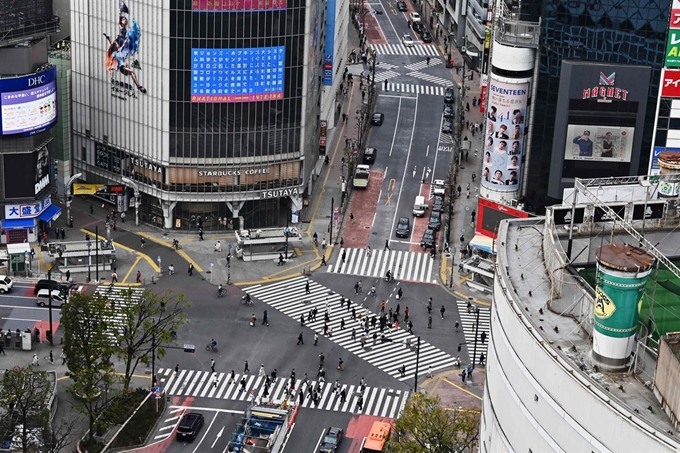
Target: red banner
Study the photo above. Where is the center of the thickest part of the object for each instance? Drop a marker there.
(670, 84)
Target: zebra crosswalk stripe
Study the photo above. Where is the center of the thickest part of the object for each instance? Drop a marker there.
(400, 49)
(468, 321)
(118, 296)
(423, 64)
(409, 266)
(419, 89)
(289, 297)
(430, 78)
(378, 401)
(382, 76)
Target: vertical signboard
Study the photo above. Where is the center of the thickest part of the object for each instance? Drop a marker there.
(673, 43)
(330, 43)
(323, 133)
(504, 135)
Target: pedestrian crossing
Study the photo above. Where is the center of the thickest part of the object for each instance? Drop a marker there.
(290, 298)
(468, 321)
(400, 49)
(408, 266)
(430, 78)
(384, 75)
(387, 66)
(377, 401)
(423, 64)
(419, 89)
(117, 296)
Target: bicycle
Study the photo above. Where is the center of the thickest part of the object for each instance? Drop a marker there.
(210, 347)
(246, 301)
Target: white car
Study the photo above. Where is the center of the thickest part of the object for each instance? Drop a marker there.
(5, 284)
(59, 299)
(439, 187)
(407, 41)
(415, 17)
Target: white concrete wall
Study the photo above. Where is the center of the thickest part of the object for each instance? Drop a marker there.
(329, 101)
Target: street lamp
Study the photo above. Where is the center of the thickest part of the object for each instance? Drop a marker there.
(130, 183)
(89, 261)
(69, 183)
(50, 333)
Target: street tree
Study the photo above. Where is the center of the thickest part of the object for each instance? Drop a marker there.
(425, 426)
(146, 321)
(25, 396)
(89, 347)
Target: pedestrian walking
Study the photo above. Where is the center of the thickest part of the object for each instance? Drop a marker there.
(316, 338)
(307, 291)
(462, 239)
(354, 313)
(410, 327)
(442, 310)
(483, 337)
(473, 214)
(459, 190)
(463, 375)
(428, 61)
(360, 403)
(232, 377)
(281, 260)
(402, 371)
(323, 260)
(51, 357)
(468, 194)
(35, 361)
(474, 176)
(356, 288)
(429, 305)
(114, 277)
(340, 364)
(191, 269)
(265, 392)
(362, 341)
(300, 340)
(368, 251)
(387, 244)
(344, 255)
(265, 319)
(467, 106)
(212, 365)
(62, 356)
(261, 373)
(351, 217)
(246, 369)
(215, 380)
(456, 325)
(467, 154)
(429, 322)
(177, 369)
(343, 395)
(200, 234)
(482, 359)
(273, 374)
(243, 384)
(342, 324)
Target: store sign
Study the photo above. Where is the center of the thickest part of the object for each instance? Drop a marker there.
(220, 172)
(280, 193)
(675, 15)
(27, 210)
(145, 164)
(606, 91)
(670, 85)
(673, 49)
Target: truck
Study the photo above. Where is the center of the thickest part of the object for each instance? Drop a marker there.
(361, 176)
(262, 429)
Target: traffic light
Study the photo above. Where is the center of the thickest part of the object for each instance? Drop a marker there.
(189, 348)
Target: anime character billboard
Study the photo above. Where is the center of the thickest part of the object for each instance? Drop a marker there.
(121, 54)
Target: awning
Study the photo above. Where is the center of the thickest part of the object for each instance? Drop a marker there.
(18, 224)
(482, 242)
(50, 214)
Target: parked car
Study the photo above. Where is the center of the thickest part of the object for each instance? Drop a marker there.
(447, 126)
(369, 155)
(435, 221)
(418, 27)
(403, 227)
(59, 299)
(6, 284)
(331, 441)
(426, 36)
(428, 239)
(439, 187)
(438, 204)
(44, 284)
(449, 111)
(415, 17)
(449, 95)
(407, 41)
(378, 119)
(401, 6)
(189, 427)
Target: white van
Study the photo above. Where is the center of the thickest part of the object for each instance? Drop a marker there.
(5, 284)
(419, 206)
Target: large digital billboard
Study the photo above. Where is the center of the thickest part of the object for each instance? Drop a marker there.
(599, 143)
(237, 5)
(237, 75)
(27, 174)
(491, 214)
(504, 135)
(28, 104)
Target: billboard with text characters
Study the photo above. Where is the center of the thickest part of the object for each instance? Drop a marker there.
(28, 103)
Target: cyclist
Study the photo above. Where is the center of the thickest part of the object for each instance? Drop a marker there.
(213, 344)
(388, 276)
(175, 244)
(143, 242)
(220, 291)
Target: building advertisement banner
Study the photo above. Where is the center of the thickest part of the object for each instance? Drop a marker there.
(504, 135)
(330, 43)
(670, 84)
(675, 15)
(654, 168)
(599, 143)
(27, 210)
(29, 103)
(237, 5)
(673, 49)
(490, 215)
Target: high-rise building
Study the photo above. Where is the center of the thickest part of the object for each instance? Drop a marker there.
(28, 111)
(209, 110)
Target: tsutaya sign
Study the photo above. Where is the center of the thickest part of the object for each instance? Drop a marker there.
(280, 193)
(606, 91)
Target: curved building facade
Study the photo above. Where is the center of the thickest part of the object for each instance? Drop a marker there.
(209, 107)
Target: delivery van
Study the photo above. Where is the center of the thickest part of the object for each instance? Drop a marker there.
(419, 206)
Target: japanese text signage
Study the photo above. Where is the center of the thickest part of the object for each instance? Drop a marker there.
(670, 84)
(29, 103)
(675, 16)
(237, 75)
(27, 210)
(673, 49)
(237, 5)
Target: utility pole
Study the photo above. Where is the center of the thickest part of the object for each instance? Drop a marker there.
(415, 384)
(96, 251)
(330, 226)
(50, 333)
(474, 353)
(69, 183)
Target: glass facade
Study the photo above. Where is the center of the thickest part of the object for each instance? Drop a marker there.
(633, 32)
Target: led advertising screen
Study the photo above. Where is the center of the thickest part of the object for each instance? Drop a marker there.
(599, 143)
(491, 214)
(504, 135)
(237, 75)
(27, 174)
(28, 105)
(237, 5)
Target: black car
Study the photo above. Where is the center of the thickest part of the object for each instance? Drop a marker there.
(50, 284)
(426, 36)
(369, 155)
(401, 6)
(449, 95)
(438, 204)
(449, 111)
(331, 440)
(418, 27)
(403, 227)
(378, 119)
(447, 126)
(435, 221)
(428, 238)
(189, 427)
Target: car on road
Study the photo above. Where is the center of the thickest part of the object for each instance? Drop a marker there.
(418, 27)
(369, 155)
(407, 41)
(435, 221)
(403, 227)
(6, 284)
(426, 36)
(331, 440)
(449, 111)
(439, 187)
(401, 6)
(447, 126)
(438, 204)
(44, 284)
(415, 17)
(59, 299)
(449, 95)
(189, 427)
(378, 119)
(428, 239)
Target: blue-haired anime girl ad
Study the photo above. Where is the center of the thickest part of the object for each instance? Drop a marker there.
(122, 51)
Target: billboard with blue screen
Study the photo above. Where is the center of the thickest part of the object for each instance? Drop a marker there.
(237, 5)
(28, 104)
(237, 75)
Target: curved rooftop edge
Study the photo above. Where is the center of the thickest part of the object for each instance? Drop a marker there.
(543, 391)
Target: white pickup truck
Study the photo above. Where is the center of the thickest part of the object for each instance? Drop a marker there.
(361, 176)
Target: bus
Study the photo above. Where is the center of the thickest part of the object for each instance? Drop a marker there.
(377, 437)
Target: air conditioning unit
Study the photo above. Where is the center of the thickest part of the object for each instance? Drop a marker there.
(514, 203)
